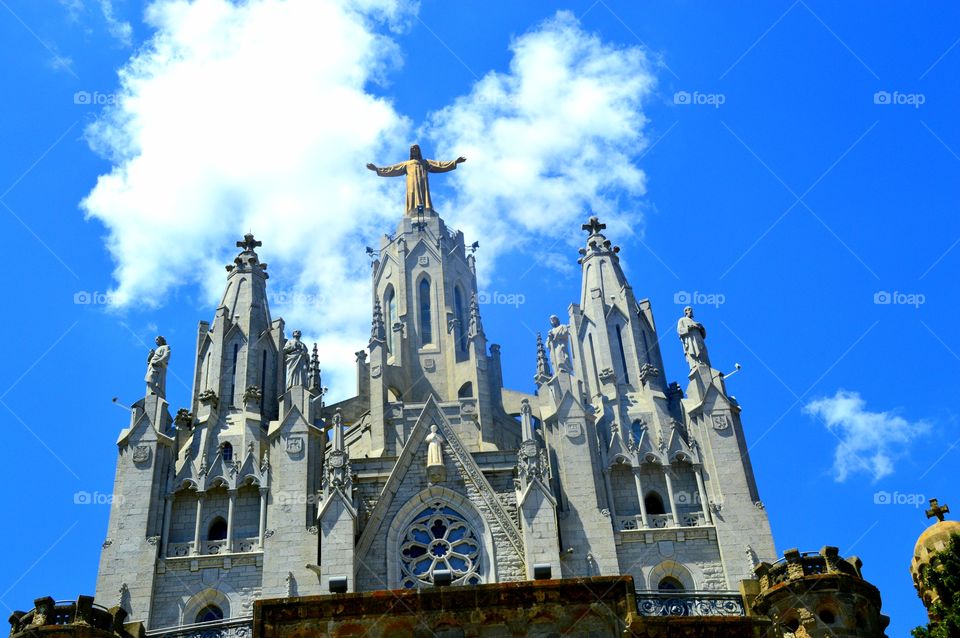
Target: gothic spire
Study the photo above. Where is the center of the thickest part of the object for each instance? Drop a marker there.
(313, 377)
(543, 366)
(476, 327)
(377, 330)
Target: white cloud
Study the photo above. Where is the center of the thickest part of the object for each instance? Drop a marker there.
(262, 115)
(870, 442)
(551, 139)
(119, 29)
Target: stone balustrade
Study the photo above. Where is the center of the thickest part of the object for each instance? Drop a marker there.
(660, 521)
(213, 548)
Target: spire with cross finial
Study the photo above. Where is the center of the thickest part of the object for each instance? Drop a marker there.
(593, 226)
(936, 510)
(249, 243)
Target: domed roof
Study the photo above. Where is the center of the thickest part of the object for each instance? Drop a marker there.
(933, 537)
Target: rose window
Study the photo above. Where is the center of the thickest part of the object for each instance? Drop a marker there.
(439, 538)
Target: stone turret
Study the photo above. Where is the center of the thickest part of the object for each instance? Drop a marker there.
(819, 595)
(72, 619)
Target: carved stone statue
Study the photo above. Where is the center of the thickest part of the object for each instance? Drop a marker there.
(157, 361)
(557, 340)
(434, 447)
(692, 334)
(416, 170)
(297, 360)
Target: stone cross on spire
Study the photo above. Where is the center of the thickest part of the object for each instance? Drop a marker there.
(249, 243)
(937, 510)
(593, 226)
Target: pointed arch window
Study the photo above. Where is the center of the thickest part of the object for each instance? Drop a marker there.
(227, 452)
(390, 303)
(593, 359)
(623, 356)
(461, 319)
(426, 325)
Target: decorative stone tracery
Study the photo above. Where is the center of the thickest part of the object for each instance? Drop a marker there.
(439, 538)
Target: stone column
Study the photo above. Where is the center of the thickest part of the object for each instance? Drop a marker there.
(263, 515)
(610, 503)
(231, 503)
(643, 505)
(196, 528)
(704, 505)
(167, 515)
(673, 502)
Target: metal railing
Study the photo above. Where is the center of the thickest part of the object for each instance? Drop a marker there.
(226, 628)
(690, 603)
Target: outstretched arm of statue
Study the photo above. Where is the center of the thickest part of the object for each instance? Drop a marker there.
(389, 171)
(442, 167)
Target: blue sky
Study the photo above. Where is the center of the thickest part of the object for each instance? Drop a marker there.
(791, 166)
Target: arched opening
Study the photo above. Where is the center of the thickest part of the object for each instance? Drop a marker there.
(827, 616)
(227, 452)
(669, 583)
(390, 304)
(654, 504)
(461, 320)
(210, 613)
(465, 391)
(217, 530)
(426, 325)
(623, 356)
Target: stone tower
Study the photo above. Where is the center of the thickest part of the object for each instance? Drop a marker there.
(821, 595)
(433, 472)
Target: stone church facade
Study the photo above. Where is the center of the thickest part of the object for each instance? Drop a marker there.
(434, 472)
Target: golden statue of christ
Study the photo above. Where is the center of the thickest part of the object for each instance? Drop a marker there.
(416, 169)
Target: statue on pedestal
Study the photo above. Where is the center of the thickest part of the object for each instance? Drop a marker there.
(436, 471)
(416, 170)
(692, 334)
(157, 361)
(297, 360)
(557, 340)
